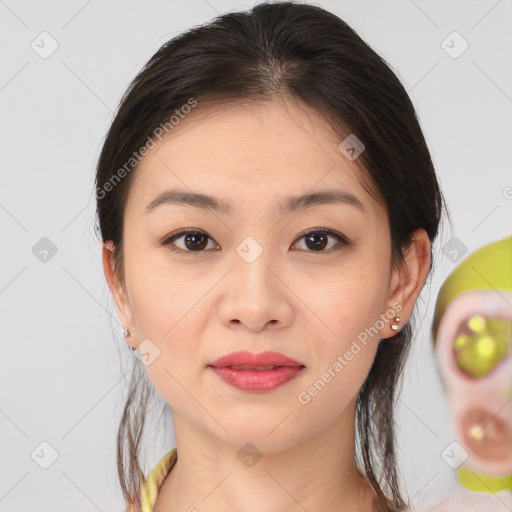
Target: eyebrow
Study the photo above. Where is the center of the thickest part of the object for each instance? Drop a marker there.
(290, 204)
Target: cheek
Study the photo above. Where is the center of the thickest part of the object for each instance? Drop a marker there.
(344, 353)
(164, 305)
(352, 306)
(333, 384)
(161, 296)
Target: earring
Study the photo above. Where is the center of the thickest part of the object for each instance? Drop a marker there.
(127, 334)
(395, 326)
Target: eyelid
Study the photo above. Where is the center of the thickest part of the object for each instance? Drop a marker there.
(168, 240)
(324, 230)
(184, 231)
(317, 230)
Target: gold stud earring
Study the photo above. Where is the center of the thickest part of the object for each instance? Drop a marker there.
(395, 326)
(127, 334)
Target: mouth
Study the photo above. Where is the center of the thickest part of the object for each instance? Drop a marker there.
(257, 368)
(248, 360)
(263, 371)
(257, 378)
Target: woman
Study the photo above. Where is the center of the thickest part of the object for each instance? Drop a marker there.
(267, 205)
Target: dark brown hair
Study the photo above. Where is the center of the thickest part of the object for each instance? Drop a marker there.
(305, 53)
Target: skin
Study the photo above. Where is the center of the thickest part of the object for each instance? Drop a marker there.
(294, 299)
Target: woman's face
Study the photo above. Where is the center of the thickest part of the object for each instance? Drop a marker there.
(254, 282)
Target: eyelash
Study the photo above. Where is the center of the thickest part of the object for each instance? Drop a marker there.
(316, 231)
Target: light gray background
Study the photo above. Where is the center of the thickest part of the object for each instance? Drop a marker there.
(63, 357)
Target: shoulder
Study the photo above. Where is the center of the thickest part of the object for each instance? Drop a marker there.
(459, 499)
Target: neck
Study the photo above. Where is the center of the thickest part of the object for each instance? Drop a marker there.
(317, 473)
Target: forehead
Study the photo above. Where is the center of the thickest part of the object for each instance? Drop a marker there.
(244, 150)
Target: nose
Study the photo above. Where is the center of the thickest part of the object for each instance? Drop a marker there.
(255, 296)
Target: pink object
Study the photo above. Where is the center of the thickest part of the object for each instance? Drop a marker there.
(488, 397)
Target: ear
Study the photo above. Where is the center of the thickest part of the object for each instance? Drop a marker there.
(408, 280)
(117, 288)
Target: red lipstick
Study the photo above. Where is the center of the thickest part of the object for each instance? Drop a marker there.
(256, 372)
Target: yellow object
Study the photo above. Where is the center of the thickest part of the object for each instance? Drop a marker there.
(151, 486)
(488, 268)
(480, 344)
(483, 483)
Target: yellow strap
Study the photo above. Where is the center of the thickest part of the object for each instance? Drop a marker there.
(151, 486)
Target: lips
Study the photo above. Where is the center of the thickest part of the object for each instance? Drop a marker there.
(248, 361)
(248, 367)
(256, 372)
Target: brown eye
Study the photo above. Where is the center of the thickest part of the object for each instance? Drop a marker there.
(318, 239)
(194, 241)
(480, 344)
